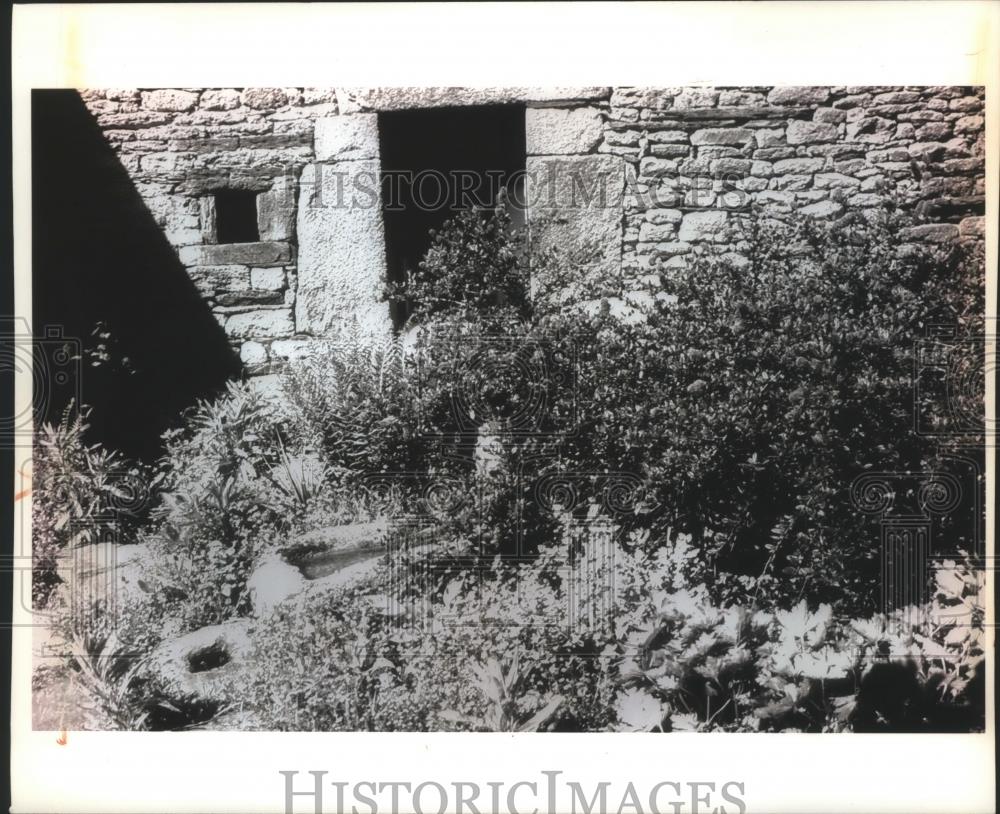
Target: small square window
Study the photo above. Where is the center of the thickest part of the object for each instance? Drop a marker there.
(236, 216)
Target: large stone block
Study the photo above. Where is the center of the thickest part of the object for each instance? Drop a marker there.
(831, 180)
(741, 98)
(822, 209)
(972, 227)
(670, 150)
(926, 150)
(208, 219)
(964, 104)
(270, 323)
(656, 232)
(776, 201)
(562, 131)
(203, 665)
(798, 165)
(170, 100)
(664, 216)
(212, 279)
(264, 98)
(341, 260)
(730, 167)
(319, 96)
(800, 132)
(652, 98)
(265, 253)
(654, 167)
(931, 232)
(347, 138)
(962, 166)
(722, 135)
(792, 182)
(223, 99)
(253, 355)
(698, 226)
(615, 138)
(576, 202)
(182, 234)
(667, 136)
(276, 211)
(896, 97)
(798, 96)
(829, 115)
(352, 99)
(268, 279)
(696, 97)
(969, 124)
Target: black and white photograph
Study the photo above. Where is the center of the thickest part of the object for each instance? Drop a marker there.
(644, 409)
(510, 409)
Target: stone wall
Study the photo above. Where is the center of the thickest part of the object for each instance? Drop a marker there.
(649, 174)
(700, 157)
(179, 146)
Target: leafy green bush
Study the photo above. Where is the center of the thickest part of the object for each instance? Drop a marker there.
(702, 667)
(81, 494)
(351, 404)
(229, 486)
(324, 665)
(746, 390)
(750, 393)
(237, 477)
(476, 266)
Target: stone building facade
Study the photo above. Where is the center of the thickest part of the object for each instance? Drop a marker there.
(649, 174)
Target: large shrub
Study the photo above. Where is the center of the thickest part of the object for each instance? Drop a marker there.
(749, 392)
(229, 485)
(81, 494)
(476, 266)
(745, 390)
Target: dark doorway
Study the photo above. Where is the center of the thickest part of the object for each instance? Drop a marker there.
(104, 274)
(436, 163)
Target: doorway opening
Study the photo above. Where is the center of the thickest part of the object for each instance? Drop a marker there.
(438, 162)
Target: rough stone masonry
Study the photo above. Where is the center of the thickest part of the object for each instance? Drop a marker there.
(678, 164)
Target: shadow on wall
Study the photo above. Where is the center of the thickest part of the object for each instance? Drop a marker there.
(99, 257)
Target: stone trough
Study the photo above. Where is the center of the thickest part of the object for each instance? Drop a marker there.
(326, 558)
(200, 665)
